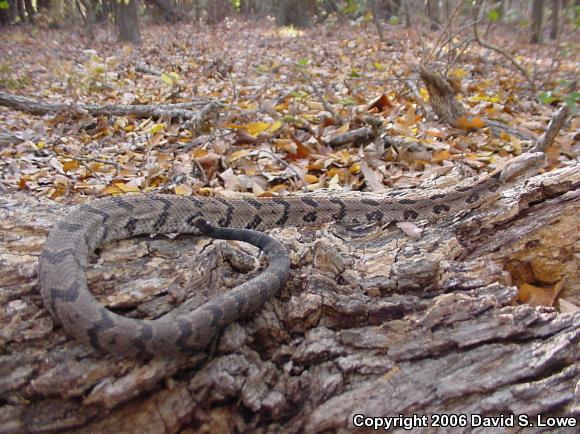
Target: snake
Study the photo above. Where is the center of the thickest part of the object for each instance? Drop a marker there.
(65, 255)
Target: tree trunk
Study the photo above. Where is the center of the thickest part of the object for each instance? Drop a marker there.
(407, 6)
(379, 324)
(217, 11)
(537, 18)
(377, 15)
(297, 13)
(21, 11)
(554, 19)
(434, 14)
(30, 12)
(104, 11)
(44, 4)
(69, 7)
(90, 16)
(127, 21)
(172, 14)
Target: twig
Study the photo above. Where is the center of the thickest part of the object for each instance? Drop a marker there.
(359, 135)
(146, 69)
(200, 169)
(508, 129)
(418, 98)
(284, 163)
(84, 160)
(444, 33)
(319, 95)
(500, 51)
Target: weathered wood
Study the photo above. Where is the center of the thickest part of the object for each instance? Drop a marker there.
(553, 129)
(442, 97)
(202, 119)
(379, 325)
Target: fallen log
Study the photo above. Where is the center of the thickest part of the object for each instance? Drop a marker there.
(377, 325)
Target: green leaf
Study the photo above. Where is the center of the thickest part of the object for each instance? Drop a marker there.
(4, 4)
(349, 100)
(299, 94)
(548, 97)
(394, 20)
(350, 8)
(167, 79)
(493, 15)
(157, 128)
(303, 62)
(354, 74)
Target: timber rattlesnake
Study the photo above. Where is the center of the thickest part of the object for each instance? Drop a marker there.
(64, 259)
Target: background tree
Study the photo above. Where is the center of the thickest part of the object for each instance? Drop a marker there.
(297, 13)
(434, 14)
(537, 17)
(217, 10)
(127, 22)
(103, 10)
(554, 19)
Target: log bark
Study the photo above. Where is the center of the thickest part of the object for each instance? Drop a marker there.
(443, 97)
(376, 324)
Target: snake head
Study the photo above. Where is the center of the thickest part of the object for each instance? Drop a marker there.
(204, 227)
(522, 166)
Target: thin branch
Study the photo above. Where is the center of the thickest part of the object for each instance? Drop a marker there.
(500, 51)
(84, 160)
(284, 163)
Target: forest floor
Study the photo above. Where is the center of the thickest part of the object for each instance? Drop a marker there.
(285, 94)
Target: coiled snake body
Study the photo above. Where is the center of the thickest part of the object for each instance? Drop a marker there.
(64, 259)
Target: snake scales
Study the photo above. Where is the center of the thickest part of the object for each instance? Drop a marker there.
(64, 259)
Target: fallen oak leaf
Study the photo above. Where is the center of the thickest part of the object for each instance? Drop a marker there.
(467, 122)
(380, 103)
(539, 296)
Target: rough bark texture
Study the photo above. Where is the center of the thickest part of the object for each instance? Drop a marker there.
(554, 19)
(537, 20)
(554, 127)
(297, 13)
(127, 21)
(379, 324)
(434, 14)
(443, 97)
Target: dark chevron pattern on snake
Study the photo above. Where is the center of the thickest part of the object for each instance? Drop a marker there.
(64, 259)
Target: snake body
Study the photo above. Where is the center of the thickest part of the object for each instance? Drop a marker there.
(64, 259)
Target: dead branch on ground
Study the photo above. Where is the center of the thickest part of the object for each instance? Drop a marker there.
(199, 120)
